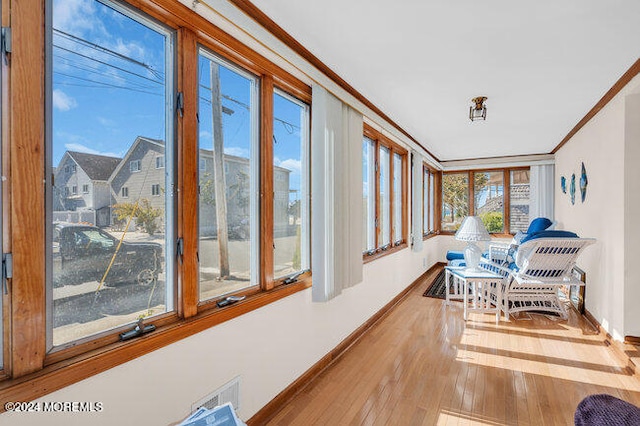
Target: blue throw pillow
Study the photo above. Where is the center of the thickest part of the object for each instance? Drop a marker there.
(454, 255)
(538, 224)
(550, 234)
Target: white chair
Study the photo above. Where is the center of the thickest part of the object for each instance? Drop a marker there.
(542, 266)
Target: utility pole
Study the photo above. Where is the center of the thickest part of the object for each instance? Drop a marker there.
(218, 171)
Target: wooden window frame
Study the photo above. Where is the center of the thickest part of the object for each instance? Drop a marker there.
(379, 140)
(506, 179)
(436, 175)
(29, 370)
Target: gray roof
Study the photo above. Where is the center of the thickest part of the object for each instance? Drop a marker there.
(97, 167)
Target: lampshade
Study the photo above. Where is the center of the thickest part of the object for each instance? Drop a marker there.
(472, 229)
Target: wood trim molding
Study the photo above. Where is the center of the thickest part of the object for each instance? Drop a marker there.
(267, 186)
(617, 347)
(262, 19)
(188, 184)
(271, 409)
(633, 340)
(366, 258)
(615, 89)
(27, 133)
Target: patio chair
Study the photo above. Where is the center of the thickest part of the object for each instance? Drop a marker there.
(542, 265)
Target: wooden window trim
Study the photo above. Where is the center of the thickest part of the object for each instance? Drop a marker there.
(437, 207)
(26, 377)
(506, 181)
(380, 140)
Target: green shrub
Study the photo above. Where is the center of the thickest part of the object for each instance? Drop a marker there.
(144, 213)
(492, 221)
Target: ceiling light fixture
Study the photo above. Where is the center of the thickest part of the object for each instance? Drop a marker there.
(479, 111)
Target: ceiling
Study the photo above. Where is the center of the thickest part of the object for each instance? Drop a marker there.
(542, 64)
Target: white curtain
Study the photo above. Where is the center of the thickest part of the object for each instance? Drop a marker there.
(417, 203)
(336, 188)
(541, 191)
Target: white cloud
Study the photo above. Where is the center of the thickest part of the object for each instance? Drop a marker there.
(62, 101)
(83, 148)
(75, 16)
(291, 164)
(205, 135)
(238, 152)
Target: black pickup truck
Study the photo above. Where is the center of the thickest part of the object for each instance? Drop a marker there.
(83, 253)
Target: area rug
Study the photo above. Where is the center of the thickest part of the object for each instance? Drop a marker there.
(437, 287)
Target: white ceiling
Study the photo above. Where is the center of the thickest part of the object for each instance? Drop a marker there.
(542, 64)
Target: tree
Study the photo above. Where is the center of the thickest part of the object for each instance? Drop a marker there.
(455, 192)
(455, 195)
(207, 191)
(144, 213)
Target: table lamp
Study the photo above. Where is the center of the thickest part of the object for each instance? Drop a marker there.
(472, 230)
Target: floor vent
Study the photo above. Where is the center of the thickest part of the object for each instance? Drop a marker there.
(229, 392)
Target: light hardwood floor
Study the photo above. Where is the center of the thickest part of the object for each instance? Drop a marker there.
(422, 365)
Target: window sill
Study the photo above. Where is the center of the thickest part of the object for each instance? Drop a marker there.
(65, 372)
(366, 258)
(430, 235)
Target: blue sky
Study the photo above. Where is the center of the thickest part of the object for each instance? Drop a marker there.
(109, 86)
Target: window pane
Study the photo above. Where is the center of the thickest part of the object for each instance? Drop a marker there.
(290, 185)
(397, 198)
(489, 199)
(455, 200)
(228, 166)
(432, 206)
(425, 201)
(108, 254)
(385, 197)
(519, 190)
(369, 193)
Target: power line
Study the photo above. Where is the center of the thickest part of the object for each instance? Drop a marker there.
(100, 83)
(91, 70)
(287, 125)
(107, 50)
(108, 64)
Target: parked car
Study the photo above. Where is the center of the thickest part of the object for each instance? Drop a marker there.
(83, 253)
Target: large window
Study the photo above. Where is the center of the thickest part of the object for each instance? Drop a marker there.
(455, 200)
(176, 163)
(428, 200)
(500, 211)
(519, 200)
(488, 190)
(369, 194)
(228, 149)
(384, 170)
(109, 255)
(291, 225)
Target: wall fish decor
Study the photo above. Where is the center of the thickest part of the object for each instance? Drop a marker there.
(583, 183)
(572, 189)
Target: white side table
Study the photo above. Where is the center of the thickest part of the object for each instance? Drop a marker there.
(475, 289)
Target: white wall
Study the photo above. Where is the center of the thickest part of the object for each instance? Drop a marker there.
(601, 145)
(632, 212)
(268, 348)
